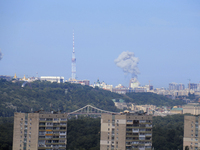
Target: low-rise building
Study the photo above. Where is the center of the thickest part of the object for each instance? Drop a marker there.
(52, 79)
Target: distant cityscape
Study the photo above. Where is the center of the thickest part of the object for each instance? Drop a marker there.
(174, 90)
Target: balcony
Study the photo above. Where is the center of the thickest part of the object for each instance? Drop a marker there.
(135, 130)
(148, 126)
(148, 134)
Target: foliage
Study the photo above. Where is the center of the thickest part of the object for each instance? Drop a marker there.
(168, 132)
(6, 133)
(40, 95)
(191, 96)
(152, 99)
(66, 97)
(83, 134)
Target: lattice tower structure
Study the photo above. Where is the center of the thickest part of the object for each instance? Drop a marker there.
(73, 62)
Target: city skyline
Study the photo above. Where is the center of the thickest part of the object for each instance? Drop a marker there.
(37, 37)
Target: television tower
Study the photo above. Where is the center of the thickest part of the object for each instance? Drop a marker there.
(73, 62)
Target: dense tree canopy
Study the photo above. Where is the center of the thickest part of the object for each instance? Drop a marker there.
(168, 132)
(153, 99)
(66, 97)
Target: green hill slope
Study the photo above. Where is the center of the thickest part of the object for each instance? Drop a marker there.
(153, 99)
(66, 97)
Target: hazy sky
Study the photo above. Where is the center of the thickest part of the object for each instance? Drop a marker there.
(36, 36)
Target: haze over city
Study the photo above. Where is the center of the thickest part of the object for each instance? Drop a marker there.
(36, 36)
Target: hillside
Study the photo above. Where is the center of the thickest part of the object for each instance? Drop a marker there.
(40, 95)
(66, 97)
(153, 99)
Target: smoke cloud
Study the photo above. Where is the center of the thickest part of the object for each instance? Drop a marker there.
(1, 55)
(128, 62)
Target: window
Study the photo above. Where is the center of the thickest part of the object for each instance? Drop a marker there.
(49, 119)
(108, 129)
(109, 124)
(30, 128)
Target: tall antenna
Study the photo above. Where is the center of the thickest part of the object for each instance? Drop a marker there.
(73, 61)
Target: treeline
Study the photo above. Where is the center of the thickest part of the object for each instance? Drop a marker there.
(168, 132)
(46, 96)
(6, 133)
(84, 133)
(153, 99)
(66, 97)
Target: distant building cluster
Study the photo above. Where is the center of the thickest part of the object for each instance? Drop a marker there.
(174, 91)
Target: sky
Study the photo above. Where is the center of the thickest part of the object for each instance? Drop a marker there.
(36, 36)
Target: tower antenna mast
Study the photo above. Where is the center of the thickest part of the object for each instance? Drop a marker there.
(73, 62)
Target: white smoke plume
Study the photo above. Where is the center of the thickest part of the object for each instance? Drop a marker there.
(1, 55)
(128, 62)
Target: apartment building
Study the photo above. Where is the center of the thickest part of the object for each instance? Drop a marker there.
(191, 140)
(40, 131)
(126, 131)
(192, 108)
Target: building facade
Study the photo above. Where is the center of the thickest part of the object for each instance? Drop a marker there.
(176, 86)
(126, 131)
(39, 131)
(192, 108)
(52, 79)
(191, 140)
